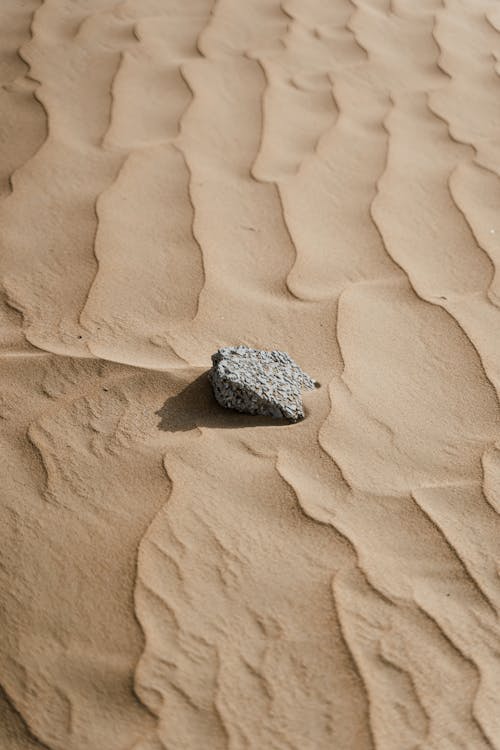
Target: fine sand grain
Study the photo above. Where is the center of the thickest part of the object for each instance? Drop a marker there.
(320, 177)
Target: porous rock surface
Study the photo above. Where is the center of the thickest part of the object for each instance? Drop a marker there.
(254, 381)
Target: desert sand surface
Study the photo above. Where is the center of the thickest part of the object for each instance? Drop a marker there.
(316, 176)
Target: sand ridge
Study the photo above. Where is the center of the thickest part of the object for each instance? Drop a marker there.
(319, 178)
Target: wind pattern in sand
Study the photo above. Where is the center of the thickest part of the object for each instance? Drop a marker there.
(318, 177)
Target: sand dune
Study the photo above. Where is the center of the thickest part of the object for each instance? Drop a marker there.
(322, 178)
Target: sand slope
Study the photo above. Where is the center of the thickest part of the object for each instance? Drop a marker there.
(319, 177)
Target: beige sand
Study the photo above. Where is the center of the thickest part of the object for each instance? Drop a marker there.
(317, 176)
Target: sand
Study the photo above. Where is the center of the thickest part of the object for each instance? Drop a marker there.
(317, 177)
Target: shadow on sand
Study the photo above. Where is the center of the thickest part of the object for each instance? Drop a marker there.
(195, 406)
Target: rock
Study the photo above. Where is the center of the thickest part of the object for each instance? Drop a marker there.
(259, 382)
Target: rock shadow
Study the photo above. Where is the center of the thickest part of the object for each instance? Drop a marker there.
(195, 406)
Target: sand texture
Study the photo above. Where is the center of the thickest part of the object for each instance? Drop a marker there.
(320, 177)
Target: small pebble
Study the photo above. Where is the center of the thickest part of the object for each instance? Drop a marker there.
(255, 381)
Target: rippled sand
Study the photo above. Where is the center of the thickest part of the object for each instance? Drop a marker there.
(318, 177)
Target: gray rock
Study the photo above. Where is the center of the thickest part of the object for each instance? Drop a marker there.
(259, 382)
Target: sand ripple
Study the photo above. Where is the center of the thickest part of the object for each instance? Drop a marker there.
(322, 178)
